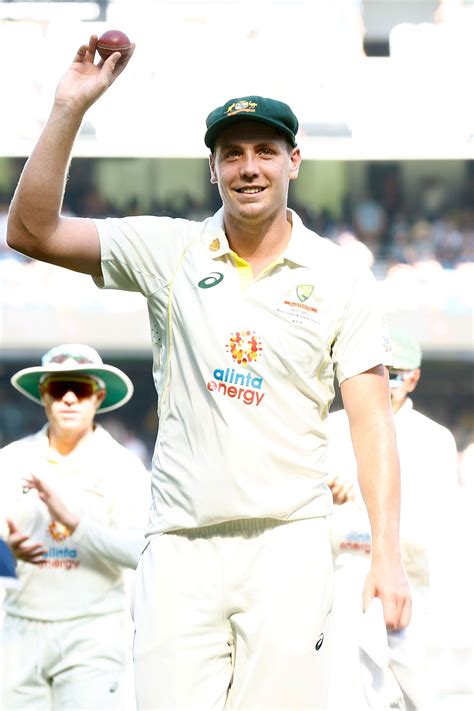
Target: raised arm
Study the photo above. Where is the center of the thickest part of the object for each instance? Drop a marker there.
(367, 403)
(35, 225)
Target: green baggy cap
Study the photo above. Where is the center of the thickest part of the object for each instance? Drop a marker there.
(406, 351)
(256, 108)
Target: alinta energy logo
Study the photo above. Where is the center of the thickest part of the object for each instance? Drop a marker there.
(58, 531)
(56, 557)
(245, 348)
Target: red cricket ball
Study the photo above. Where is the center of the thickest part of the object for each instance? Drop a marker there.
(113, 41)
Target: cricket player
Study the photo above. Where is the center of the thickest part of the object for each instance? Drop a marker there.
(74, 508)
(429, 481)
(251, 316)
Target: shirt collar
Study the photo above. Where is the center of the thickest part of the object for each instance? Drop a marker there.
(214, 235)
(299, 249)
(405, 409)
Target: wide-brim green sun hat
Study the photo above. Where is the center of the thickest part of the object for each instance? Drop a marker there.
(76, 359)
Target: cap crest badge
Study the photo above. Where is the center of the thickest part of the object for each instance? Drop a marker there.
(238, 106)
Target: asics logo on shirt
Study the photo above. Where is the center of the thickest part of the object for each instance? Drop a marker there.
(213, 279)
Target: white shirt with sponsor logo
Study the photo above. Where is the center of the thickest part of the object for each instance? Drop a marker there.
(108, 488)
(428, 466)
(244, 368)
(429, 483)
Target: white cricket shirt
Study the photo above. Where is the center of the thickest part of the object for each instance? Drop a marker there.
(428, 474)
(108, 488)
(243, 367)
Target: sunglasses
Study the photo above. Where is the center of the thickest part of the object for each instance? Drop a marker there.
(396, 378)
(81, 388)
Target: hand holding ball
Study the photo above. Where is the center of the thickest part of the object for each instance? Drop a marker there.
(113, 41)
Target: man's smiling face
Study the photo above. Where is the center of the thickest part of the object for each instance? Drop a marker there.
(252, 164)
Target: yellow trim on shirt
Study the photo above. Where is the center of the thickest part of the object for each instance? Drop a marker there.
(244, 270)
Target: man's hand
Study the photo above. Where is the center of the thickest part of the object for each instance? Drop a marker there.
(387, 581)
(341, 490)
(56, 507)
(22, 547)
(85, 82)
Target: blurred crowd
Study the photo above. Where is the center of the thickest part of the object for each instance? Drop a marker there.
(437, 227)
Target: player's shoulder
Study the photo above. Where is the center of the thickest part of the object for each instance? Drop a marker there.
(144, 223)
(151, 229)
(23, 446)
(436, 429)
(333, 262)
(122, 460)
(319, 244)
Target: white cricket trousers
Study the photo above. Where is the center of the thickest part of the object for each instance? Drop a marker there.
(71, 664)
(234, 616)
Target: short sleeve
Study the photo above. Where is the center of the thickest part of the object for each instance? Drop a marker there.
(139, 253)
(362, 341)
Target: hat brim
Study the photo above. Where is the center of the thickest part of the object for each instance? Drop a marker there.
(213, 131)
(118, 386)
(399, 363)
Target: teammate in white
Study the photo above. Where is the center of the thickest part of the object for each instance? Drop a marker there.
(74, 504)
(428, 460)
(251, 316)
